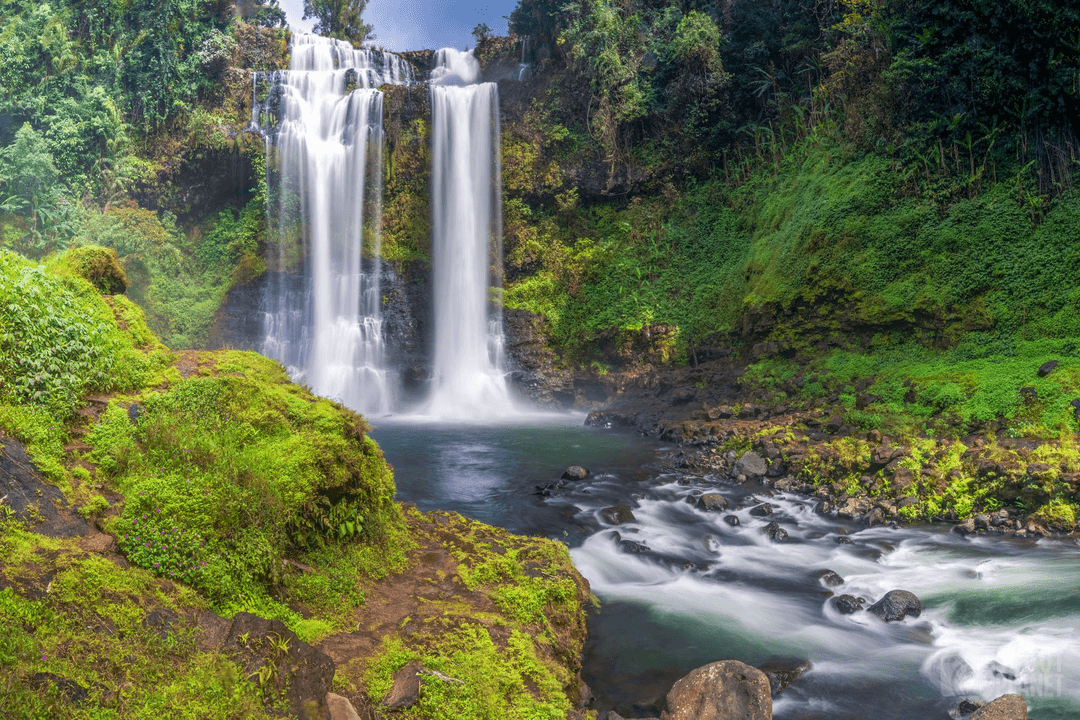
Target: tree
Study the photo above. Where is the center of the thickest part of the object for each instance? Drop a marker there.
(339, 19)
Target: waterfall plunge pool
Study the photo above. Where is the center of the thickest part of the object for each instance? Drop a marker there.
(1000, 615)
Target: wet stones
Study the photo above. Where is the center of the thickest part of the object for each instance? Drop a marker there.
(848, 604)
(762, 510)
(781, 673)
(629, 546)
(896, 605)
(721, 690)
(711, 502)
(732, 520)
(617, 514)
(575, 472)
(828, 578)
(1006, 707)
(775, 532)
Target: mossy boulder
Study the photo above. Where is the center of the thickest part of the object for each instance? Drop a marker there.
(98, 265)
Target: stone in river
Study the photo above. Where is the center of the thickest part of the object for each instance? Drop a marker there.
(731, 520)
(761, 510)
(781, 673)
(712, 502)
(617, 514)
(1006, 707)
(575, 472)
(775, 532)
(847, 604)
(719, 691)
(830, 579)
(896, 605)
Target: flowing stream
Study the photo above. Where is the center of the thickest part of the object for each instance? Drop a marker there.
(1000, 615)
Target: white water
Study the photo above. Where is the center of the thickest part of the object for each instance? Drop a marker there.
(998, 617)
(327, 328)
(468, 379)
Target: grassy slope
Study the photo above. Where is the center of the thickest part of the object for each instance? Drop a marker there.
(208, 469)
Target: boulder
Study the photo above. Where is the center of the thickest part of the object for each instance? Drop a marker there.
(725, 690)
(340, 708)
(732, 520)
(775, 532)
(629, 546)
(751, 465)
(847, 604)
(781, 673)
(575, 472)
(406, 688)
(830, 579)
(896, 605)
(711, 502)
(1047, 367)
(761, 510)
(1006, 707)
(301, 674)
(617, 514)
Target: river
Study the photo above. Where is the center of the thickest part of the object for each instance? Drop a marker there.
(1000, 615)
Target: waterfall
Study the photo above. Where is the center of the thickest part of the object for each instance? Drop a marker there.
(324, 134)
(468, 380)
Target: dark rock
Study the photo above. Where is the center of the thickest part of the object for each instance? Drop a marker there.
(1075, 406)
(761, 510)
(830, 579)
(896, 605)
(775, 532)
(41, 505)
(833, 424)
(842, 540)
(406, 688)
(732, 520)
(1006, 707)
(719, 691)
(966, 707)
(1047, 367)
(1029, 394)
(575, 472)
(211, 630)
(302, 673)
(711, 502)
(629, 546)
(134, 411)
(781, 673)
(847, 604)
(71, 691)
(161, 622)
(1001, 671)
(751, 465)
(617, 514)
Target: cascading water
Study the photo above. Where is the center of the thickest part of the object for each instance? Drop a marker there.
(468, 377)
(324, 321)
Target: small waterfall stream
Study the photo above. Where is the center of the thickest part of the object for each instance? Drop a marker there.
(468, 377)
(322, 316)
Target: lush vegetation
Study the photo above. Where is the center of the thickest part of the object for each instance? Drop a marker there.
(228, 488)
(102, 107)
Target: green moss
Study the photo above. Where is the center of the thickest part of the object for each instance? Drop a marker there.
(498, 680)
(98, 265)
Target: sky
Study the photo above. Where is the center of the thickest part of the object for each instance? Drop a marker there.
(418, 24)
